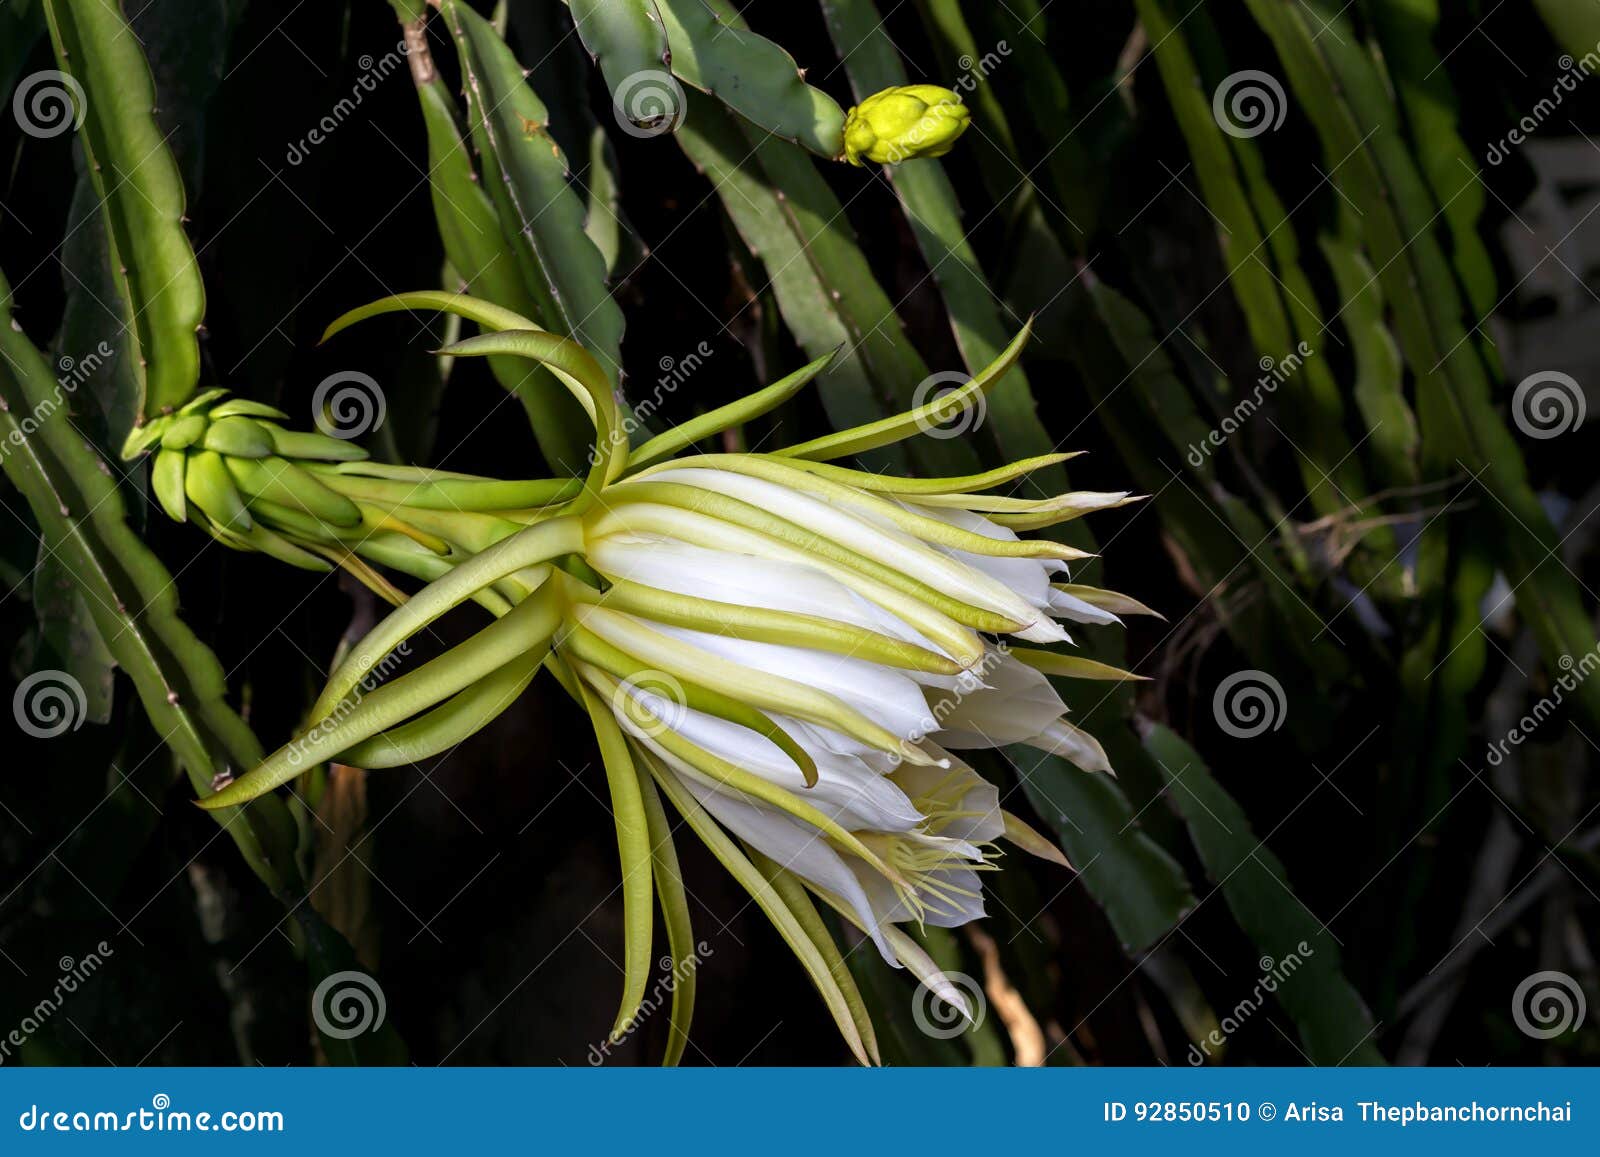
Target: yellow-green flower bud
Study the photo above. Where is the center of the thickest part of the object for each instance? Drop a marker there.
(911, 120)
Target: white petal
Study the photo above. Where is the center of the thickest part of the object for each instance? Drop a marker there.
(894, 547)
(1029, 578)
(1018, 706)
(921, 965)
(1044, 631)
(632, 522)
(769, 584)
(742, 580)
(1073, 744)
(949, 910)
(888, 697)
(847, 790)
(794, 847)
(830, 740)
(1071, 607)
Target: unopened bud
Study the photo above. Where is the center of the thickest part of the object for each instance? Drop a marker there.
(913, 120)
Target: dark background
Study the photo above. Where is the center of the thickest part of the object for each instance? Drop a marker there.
(479, 866)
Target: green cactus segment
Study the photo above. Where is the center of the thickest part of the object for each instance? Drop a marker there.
(877, 333)
(82, 522)
(934, 213)
(791, 220)
(1405, 31)
(627, 39)
(953, 40)
(1393, 443)
(1576, 27)
(713, 51)
(1350, 107)
(718, 148)
(604, 224)
(132, 599)
(141, 196)
(1254, 237)
(1334, 1023)
(541, 215)
(1112, 342)
(477, 251)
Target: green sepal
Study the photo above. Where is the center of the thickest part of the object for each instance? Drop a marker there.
(183, 431)
(1072, 666)
(209, 486)
(920, 420)
(746, 409)
(237, 437)
(769, 901)
(453, 721)
(166, 481)
(633, 848)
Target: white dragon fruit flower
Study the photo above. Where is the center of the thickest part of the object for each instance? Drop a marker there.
(790, 650)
